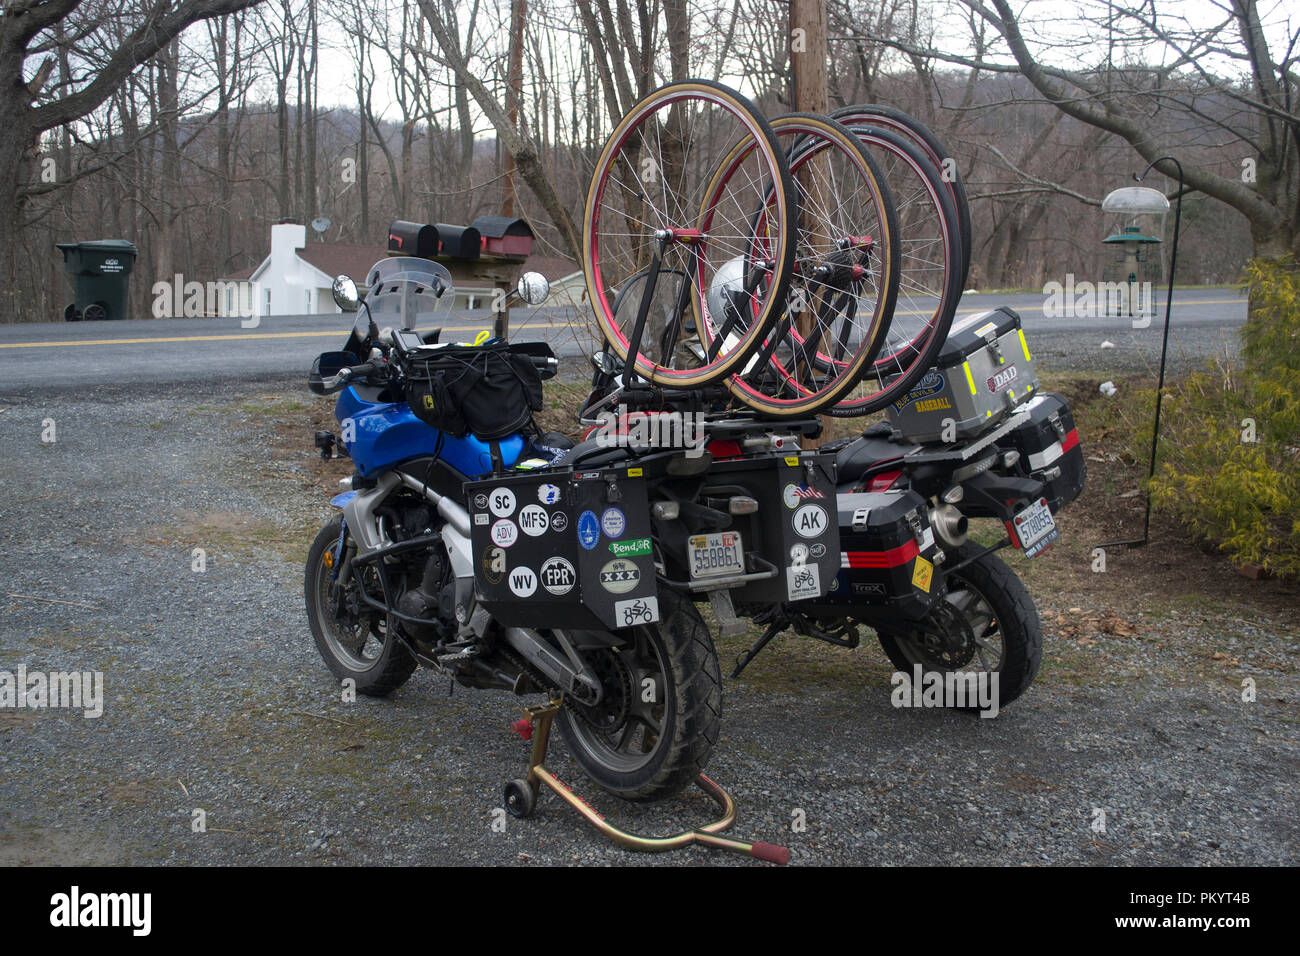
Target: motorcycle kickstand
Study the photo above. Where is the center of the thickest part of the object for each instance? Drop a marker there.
(773, 629)
(521, 799)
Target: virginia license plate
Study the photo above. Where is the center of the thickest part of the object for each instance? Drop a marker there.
(1036, 528)
(714, 555)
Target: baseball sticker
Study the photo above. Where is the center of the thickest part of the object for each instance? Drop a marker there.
(502, 502)
(558, 576)
(613, 523)
(533, 520)
(619, 576)
(548, 494)
(523, 582)
(505, 533)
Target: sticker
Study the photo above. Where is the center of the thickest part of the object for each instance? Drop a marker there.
(634, 472)
(558, 576)
(494, 565)
(1003, 378)
(630, 548)
(482, 518)
(548, 494)
(643, 610)
(922, 572)
(794, 494)
(523, 582)
(619, 576)
(585, 475)
(817, 550)
(533, 520)
(588, 530)
(802, 582)
(480, 502)
(559, 521)
(505, 533)
(798, 554)
(792, 461)
(930, 383)
(810, 521)
(613, 523)
(985, 329)
(927, 405)
(502, 502)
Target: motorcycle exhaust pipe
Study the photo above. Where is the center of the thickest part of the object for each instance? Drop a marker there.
(950, 525)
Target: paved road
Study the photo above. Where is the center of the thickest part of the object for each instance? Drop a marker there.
(60, 354)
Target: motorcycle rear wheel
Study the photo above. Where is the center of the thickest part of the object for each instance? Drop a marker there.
(356, 647)
(997, 606)
(659, 720)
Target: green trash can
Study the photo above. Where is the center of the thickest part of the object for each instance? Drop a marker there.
(100, 273)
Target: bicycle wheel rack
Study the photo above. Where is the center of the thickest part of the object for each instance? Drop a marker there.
(521, 796)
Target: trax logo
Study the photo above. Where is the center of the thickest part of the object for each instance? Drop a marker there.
(1003, 378)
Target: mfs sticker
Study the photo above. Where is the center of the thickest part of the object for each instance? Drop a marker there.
(810, 521)
(802, 582)
(533, 520)
(523, 582)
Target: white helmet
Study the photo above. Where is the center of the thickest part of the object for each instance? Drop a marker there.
(729, 278)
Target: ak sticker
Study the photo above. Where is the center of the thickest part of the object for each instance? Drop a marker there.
(810, 521)
(523, 582)
(619, 576)
(922, 572)
(502, 502)
(533, 520)
(558, 576)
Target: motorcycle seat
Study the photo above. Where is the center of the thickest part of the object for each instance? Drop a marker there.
(868, 453)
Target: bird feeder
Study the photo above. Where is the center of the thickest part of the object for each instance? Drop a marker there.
(1133, 264)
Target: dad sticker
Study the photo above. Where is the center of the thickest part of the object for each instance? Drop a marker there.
(533, 520)
(613, 523)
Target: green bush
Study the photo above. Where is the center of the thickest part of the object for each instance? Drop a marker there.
(1239, 495)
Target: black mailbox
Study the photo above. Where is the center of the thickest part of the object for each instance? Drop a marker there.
(459, 242)
(412, 239)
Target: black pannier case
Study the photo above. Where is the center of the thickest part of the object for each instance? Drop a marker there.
(1049, 449)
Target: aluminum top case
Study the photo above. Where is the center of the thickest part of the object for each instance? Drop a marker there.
(984, 370)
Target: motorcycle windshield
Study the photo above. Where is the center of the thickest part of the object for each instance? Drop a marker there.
(408, 290)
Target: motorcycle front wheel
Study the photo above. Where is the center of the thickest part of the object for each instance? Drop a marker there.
(988, 622)
(658, 720)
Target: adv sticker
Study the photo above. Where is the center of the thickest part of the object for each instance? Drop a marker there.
(502, 502)
(922, 572)
(802, 582)
(619, 576)
(613, 523)
(523, 582)
(588, 530)
(548, 494)
(505, 533)
(810, 521)
(643, 610)
(533, 520)
(558, 576)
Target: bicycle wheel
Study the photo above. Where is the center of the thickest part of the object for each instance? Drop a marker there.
(921, 136)
(929, 274)
(652, 209)
(845, 274)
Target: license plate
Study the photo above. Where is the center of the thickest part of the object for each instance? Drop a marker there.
(714, 555)
(1036, 528)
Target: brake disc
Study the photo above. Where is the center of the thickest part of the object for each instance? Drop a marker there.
(615, 678)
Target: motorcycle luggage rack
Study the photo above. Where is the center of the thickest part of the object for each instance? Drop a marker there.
(521, 799)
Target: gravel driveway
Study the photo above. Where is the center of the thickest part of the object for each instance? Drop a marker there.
(215, 700)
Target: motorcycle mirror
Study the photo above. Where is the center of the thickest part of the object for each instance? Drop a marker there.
(533, 288)
(605, 363)
(346, 296)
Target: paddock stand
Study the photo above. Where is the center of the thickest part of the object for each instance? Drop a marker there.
(521, 799)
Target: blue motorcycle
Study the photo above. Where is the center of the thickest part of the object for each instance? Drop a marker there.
(444, 500)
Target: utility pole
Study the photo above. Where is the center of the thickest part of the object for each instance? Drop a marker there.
(514, 90)
(808, 55)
